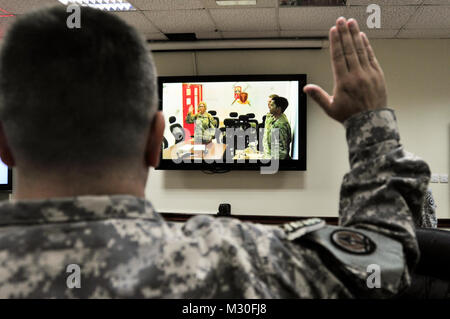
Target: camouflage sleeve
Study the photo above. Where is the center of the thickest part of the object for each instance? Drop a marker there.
(190, 118)
(428, 217)
(246, 260)
(383, 192)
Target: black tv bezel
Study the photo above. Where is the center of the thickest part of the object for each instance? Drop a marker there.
(284, 165)
(7, 187)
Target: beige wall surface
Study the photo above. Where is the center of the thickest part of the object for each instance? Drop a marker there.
(418, 78)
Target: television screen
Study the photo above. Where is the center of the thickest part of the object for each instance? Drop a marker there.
(5, 177)
(234, 122)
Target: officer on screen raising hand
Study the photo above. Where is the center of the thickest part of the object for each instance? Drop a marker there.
(205, 124)
(59, 120)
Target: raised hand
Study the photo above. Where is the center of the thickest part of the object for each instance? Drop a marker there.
(359, 83)
(191, 109)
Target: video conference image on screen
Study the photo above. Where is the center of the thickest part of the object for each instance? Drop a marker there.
(231, 120)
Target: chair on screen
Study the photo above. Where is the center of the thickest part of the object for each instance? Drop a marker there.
(165, 143)
(252, 120)
(261, 127)
(177, 130)
(214, 113)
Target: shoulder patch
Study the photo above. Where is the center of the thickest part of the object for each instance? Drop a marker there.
(353, 250)
(353, 242)
(297, 229)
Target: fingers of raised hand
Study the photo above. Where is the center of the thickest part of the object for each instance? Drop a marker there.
(348, 46)
(337, 54)
(358, 43)
(370, 54)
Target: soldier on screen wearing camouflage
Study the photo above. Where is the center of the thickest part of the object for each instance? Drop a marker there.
(277, 120)
(204, 124)
(80, 226)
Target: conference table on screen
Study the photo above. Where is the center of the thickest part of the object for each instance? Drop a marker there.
(212, 150)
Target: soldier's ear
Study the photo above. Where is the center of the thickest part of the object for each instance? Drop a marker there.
(154, 140)
(5, 151)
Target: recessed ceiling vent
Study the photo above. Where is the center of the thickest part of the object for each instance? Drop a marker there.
(312, 3)
(181, 36)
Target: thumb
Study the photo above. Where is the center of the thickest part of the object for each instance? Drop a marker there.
(319, 96)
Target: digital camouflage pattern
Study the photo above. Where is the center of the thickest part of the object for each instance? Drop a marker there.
(204, 130)
(125, 249)
(285, 138)
(429, 219)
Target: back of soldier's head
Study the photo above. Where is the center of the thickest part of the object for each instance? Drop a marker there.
(281, 102)
(81, 96)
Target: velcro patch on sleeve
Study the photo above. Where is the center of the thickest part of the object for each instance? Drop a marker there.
(297, 229)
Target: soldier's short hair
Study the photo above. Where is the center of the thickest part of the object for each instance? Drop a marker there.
(273, 95)
(75, 96)
(281, 102)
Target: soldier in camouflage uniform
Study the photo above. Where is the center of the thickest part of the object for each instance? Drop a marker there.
(204, 124)
(88, 213)
(277, 120)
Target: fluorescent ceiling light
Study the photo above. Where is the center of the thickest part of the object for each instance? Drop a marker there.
(237, 44)
(236, 2)
(105, 5)
(315, 3)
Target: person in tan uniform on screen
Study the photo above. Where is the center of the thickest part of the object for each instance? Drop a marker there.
(205, 124)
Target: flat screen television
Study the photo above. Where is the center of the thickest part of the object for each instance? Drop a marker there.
(5, 177)
(231, 122)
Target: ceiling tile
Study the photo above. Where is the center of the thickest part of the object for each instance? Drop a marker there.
(430, 17)
(258, 19)
(383, 2)
(437, 2)
(137, 20)
(392, 17)
(311, 18)
(424, 33)
(167, 4)
(211, 4)
(250, 35)
(181, 21)
(23, 6)
(315, 18)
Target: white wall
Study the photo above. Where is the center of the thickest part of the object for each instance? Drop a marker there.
(418, 78)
